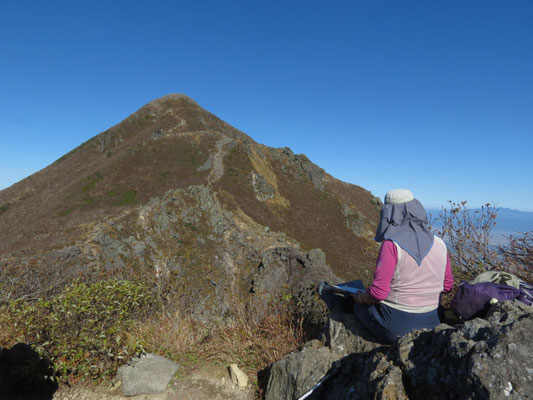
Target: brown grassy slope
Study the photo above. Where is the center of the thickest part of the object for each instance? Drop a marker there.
(311, 216)
(157, 148)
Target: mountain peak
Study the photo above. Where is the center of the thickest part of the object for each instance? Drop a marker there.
(169, 102)
(171, 97)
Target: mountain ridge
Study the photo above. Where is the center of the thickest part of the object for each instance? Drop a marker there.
(89, 212)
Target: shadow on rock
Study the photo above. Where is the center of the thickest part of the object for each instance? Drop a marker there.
(25, 375)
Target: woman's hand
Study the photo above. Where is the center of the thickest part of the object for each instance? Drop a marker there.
(363, 298)
(357, 297)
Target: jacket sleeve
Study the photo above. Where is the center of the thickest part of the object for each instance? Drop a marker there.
(385, 267)
(448, 275)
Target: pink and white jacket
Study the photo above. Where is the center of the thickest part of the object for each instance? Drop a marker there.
(400, 283)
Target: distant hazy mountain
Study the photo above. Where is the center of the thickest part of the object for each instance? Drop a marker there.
(514, 220)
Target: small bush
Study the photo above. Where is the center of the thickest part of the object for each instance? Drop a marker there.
(91, 181)
(518, 255)
(468, 232)
(4, 207)
(83, 329)
(130, 197)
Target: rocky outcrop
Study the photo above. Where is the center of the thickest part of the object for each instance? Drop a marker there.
(287, 273)
(304, 168)
(197, 253)
(483, 358)
(263, 190)
(480, 359)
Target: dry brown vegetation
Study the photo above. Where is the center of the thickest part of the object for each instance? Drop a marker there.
(468, 233)
(314, 217)
(254, 336)
(518, 255)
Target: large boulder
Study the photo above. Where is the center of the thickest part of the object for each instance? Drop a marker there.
(480, 359)
(295, 374)
(284, 272)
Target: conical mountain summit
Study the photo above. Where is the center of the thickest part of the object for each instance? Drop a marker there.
(169, 179)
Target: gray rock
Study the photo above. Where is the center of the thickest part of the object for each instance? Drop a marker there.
(297, 373)
(139, 250)
(286, 271)
(316, 258)
(148, 374)
(157, 134)
(376, 201)
(312, 171)
(263, 190)
(484, 358)
(286, 267)
(301, 167)
(344, 333)
(356, 223)
(346, 210)
(238, 377)
(208, 164)
(480, 359)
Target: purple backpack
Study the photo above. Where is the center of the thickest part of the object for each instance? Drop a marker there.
(526, 293)
(471, 301)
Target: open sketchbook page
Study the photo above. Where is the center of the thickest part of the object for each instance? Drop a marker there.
(343, 288)
(348, 289)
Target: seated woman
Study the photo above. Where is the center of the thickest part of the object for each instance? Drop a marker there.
(412, 269)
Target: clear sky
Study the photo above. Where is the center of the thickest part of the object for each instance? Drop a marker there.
(435, 96)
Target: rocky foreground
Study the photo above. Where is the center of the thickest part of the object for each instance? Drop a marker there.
(485, 358)
(489, 358)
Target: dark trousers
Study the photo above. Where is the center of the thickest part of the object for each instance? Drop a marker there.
(388, 324)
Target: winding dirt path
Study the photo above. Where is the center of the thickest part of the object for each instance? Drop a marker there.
(218, 166)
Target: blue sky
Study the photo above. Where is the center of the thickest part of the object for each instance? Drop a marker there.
(435, 96)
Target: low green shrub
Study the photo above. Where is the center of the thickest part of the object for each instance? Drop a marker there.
(130, 197)
(83, 329)
(518, 255)
(468, 235)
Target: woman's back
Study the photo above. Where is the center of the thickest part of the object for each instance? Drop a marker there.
(416, 288)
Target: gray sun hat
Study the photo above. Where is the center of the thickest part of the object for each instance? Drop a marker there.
(404, 220)
(398, 196)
